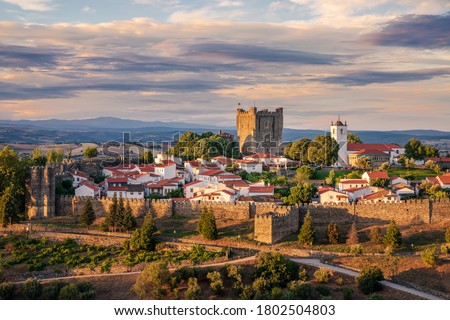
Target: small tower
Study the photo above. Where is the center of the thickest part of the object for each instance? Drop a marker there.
(338, 132)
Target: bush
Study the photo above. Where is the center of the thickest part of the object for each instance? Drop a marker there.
(6, 291)
(368, 279)
(31, 289)
(356, 249)
(333, 233)
(447, 235)
(276, 293)
(261, 285)
(376, 235)
(445, 248)
(152, 282)
(323, 275)
(69, 292)
(193, 291)
(51, 290)
(430, 257)
(339, 281)
(247, 293)
(302, 274)
(235, 272)
(352, 236)
(323, 290)
(348, 293)
(301, 290)
(216, 282)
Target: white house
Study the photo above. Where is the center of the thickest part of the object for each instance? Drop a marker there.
(191, 188)
(166, 170)
(131, 191)
(330, 195)
(163, 187)
(267, 191)
(397, 180)
(374, 175)
(267, 159)
(345, 184)
(250, 166)
(78, 177)
(240, 185)
(86, 189)
(359, 192)
(382, 195)
(224, 195)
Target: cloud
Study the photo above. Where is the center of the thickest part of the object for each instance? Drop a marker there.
(21, 57)
(35, 5)
(363, 78)
(421, 31)
(260, 54)
(88, 9)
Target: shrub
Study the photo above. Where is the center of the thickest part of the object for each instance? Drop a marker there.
(368, 279)
(31, 289)
(207, 224)
(234, 272)
(301, 290)
(445, 248)
(152, 282)
(302, 274)
(447, 235)
(261, 285)
(356, 249)
(323, 275)
(307, 233)
(247, 293)
(348, 293)
(276, 293)
(193, 291)
(69, 292)
(216, 282)
(6, 291)
(376, 235)
(339, 281)
(430, 257)
(143, 237)
(51, 290)
(323, 290)
(333, 233)
(106, 266)
(393, 237)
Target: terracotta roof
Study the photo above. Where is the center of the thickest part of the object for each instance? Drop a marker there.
(210, 173)
(90, 185)
(340, 194)
(192, 183)
(117, 180)
(378, 175)
(376, 146)
(265, 189)
(438, 159)
(223, 160)
(148, 168)
(79, 174)
(433, 180)
(444, 179)
(166, 163)
(244, 161)
(229, 177)
(376, 195)
(356, 189)
(352, 181)
(400, 185)
(370, 151)
(237, 184)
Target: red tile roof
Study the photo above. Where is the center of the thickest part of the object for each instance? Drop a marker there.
(260, 189)
(89, 185)
(370, 152)
(79, 174)
(352, 181)
(376, 195)
(444, 179)
(355, 189)
(438, 159)
(376, 146)
(210, 173)
(192, 183)
(379, 175)
(244, 161)
(229, 177)
(237, 184)
(165, 163)
(433, 180)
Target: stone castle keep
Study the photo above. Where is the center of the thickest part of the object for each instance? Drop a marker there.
(259, 131)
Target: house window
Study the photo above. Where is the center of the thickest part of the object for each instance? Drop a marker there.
(132, 193)
(331, 197)
(342, 131)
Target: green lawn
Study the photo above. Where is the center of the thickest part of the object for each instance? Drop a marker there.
(322, 174)
(419, 174)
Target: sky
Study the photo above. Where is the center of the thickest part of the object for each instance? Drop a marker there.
(379, 64)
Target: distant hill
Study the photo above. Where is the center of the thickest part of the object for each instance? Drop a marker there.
(112, 129)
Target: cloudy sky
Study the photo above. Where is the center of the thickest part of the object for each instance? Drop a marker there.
(380, 64)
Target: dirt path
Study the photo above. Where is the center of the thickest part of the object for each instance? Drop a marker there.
(317, 263)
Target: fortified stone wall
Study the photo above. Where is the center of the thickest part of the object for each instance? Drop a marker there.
(40, 192)
(272, 227)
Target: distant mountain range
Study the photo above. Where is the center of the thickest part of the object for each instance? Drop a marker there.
(112, 129)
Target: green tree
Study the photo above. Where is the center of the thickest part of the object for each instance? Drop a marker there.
(409, 163)
(193, 291)
(112, 214)
(363, 162)
(447, 235)
(38, 158)
(215, 282)
(304, 173)
(379, 182)
(368, 279)
(331, 179)
(385, 166)
(206, 225)
(12, 186)
(143, 237)
(430, 256)
(307, 233)
(352, 236)
(298, 150)
(333, 233)
(354, 175)
(90, 152)
(323, 150)
(302, 193)
(146, 157)
(376, 235)
(153, 282)
(393, 237)
(31, 289)
(274, 269)
(353, 138)
(128, 221)
(55, 155)
(87, 216)
(414, 149)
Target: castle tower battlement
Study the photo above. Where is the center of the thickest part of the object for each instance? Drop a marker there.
(259, 131)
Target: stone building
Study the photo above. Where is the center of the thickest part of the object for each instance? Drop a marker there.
(259, 131)
(40, 191)
(338, 132)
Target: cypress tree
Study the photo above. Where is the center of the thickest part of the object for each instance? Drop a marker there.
(307, 233)
(111, 215)
(352, 237)
(333, 233)
(393, 237)
(88, 215)
(128, 221)
(120, 214)
(206, 225)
